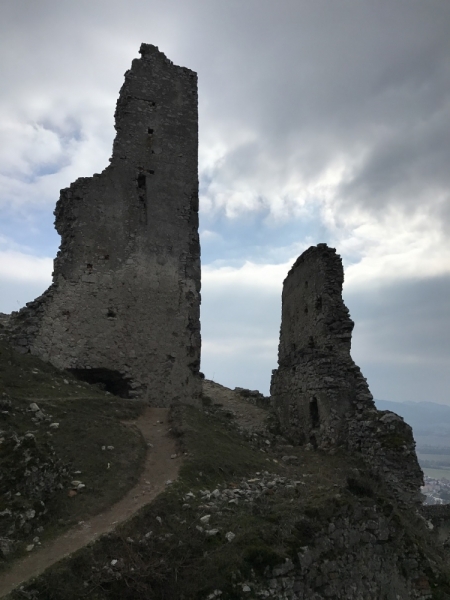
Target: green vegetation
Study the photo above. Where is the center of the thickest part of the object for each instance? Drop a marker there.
(39, 459)
(208, 531)
(161, 553)
(394, 441)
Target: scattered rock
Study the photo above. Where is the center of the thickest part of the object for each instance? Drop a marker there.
(211, 532)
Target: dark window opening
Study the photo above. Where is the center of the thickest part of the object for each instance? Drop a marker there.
(111, 313)
(306, 284)
(89, 266)
(151, 172)
(314, 413)
(311, 342)
(306, 310)
(106, 257)
(111, 381)
(141, 181)
(150, 130)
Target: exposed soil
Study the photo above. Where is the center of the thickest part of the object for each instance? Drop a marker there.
(158, 469)
(247, 415)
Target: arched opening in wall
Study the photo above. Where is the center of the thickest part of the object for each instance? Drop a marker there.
(314, 413)
(109, 380)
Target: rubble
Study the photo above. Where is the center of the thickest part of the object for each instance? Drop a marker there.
(320, 396)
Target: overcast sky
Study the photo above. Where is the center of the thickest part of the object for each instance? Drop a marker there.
(320, 121)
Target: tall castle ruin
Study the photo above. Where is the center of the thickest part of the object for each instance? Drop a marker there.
(124, 304)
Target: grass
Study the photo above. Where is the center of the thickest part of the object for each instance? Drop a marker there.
(176, 560)
(219, 453)
(36, 471)
(161, 553)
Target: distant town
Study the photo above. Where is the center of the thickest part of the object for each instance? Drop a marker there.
(437, 491)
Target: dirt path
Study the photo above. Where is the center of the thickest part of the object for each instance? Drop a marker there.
(158, 468)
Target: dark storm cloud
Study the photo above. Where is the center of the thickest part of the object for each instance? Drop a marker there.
(309, 82)
(416, 310)
(367, 83)
(401, 338)
(406, 166)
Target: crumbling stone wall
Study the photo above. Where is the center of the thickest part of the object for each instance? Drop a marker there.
(319, 394)
(124, 303)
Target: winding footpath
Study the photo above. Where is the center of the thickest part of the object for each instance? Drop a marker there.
(158, 468)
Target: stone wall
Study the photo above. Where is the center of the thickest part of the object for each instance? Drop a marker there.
(362, 555)
(124, 304)
(319, 394)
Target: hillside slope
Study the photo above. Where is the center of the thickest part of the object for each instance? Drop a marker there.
(252, 516)
(66, 452)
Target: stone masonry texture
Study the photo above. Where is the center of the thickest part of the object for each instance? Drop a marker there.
(320, 396)
(125, 300)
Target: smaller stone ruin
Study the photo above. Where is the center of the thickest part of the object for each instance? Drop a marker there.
(319, 394)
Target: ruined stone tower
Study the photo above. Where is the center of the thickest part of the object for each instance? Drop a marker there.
(316, 381)
(124, 304)
(320, 396)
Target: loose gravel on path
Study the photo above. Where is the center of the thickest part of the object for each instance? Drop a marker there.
(160, 467)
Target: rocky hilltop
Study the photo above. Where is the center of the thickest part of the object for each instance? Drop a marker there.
(309, 495)
(251, 514)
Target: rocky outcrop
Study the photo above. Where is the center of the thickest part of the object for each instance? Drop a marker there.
(319, 394)
(123, 308)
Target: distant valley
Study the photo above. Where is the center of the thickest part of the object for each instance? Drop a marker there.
(431, 426)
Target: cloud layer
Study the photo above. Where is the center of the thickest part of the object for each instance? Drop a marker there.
(319, 121)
